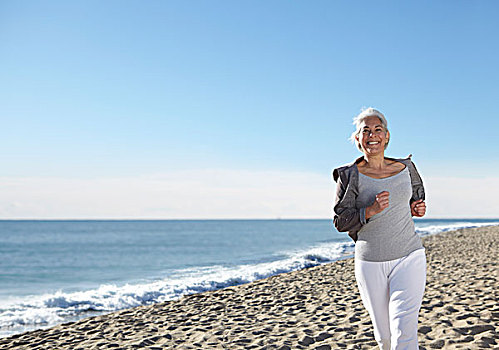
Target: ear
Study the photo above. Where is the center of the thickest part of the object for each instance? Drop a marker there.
(388, 135)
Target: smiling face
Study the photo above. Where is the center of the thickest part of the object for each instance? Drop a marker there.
(373, 136)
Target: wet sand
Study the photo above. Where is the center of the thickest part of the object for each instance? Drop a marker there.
(315, 308)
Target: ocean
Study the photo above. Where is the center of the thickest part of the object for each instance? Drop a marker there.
(53, 272)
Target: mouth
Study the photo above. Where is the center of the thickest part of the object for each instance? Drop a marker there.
(371, 143)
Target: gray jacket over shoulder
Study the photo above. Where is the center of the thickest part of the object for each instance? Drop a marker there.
(347, 217)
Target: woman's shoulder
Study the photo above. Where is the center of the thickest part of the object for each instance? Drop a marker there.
(406, 161)
(396, 165)
(410, 165)
(345, 169)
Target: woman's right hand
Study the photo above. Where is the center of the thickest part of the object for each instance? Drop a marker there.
(380, 203)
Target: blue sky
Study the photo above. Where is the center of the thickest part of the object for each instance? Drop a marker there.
(94, 91)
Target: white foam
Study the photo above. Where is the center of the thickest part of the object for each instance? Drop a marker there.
(50, 309)
(428, 229)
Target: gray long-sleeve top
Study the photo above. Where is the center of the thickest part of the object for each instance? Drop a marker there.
(347, 216)
(389, 234)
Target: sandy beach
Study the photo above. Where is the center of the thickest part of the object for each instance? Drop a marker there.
(314, 308)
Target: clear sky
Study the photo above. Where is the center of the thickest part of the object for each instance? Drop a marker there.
(240, 109)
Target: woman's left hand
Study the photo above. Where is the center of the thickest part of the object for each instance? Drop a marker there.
(418, 208)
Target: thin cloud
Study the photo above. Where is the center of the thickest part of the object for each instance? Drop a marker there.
(212, 193)
(218, 193)
(451, 197)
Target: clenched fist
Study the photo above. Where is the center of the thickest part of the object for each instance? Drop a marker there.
(380, 203)
(418, 208)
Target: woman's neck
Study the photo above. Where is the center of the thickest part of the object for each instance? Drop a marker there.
(375, 161)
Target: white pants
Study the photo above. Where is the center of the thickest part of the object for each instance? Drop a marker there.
(392, 292)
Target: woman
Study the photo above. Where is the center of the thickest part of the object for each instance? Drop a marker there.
(376, 197)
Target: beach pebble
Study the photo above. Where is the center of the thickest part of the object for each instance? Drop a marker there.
(424, 329)
(323, 347)
(306, 340)
(437, 344)
(323, 336)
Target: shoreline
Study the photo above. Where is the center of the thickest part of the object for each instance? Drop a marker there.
(317, 307)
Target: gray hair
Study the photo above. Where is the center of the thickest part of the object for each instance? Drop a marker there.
(357, 121)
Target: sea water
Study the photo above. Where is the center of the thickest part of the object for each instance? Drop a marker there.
(58, 271)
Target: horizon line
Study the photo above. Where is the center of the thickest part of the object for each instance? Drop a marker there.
(220, 219)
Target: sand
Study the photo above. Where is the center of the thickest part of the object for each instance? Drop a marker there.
(315, 308)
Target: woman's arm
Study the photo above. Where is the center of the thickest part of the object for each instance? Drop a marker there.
(417, 203)
(418, 191)
(346, 216)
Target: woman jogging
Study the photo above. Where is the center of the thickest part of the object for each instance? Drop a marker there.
(376, 198)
